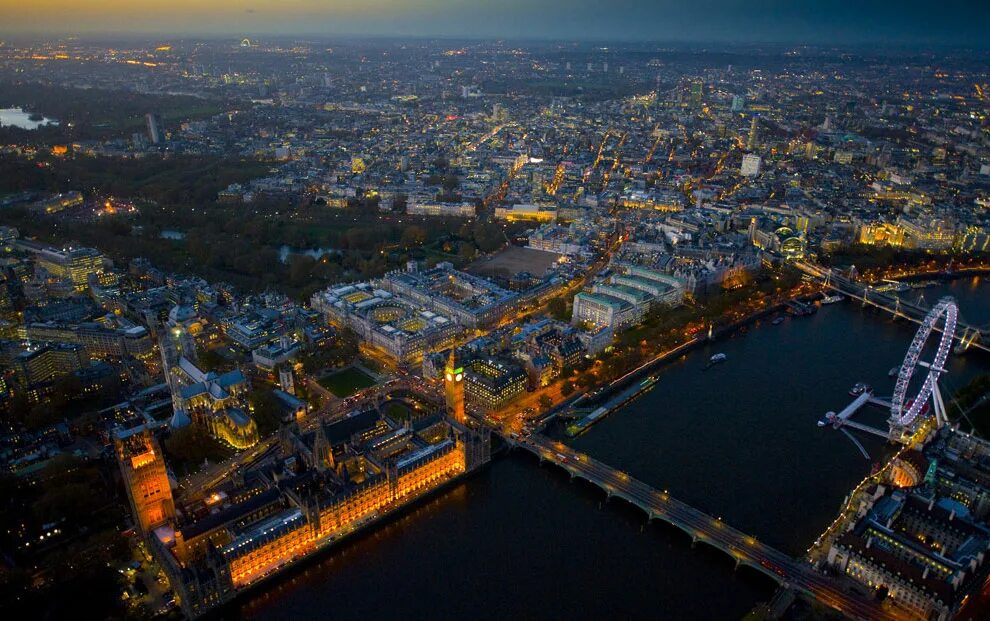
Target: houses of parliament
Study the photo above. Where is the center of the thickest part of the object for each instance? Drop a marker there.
(315, 485)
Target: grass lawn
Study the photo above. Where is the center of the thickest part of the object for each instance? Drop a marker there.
(347, 382)
(397, 411)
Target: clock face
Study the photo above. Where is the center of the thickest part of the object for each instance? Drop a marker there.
(449, 377)
(459, 377)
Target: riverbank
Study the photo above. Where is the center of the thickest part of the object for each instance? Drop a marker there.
(943, 273)
(623, 383)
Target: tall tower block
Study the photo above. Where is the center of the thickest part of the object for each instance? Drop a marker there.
(453, 387)
(142, 465)
(285, 379)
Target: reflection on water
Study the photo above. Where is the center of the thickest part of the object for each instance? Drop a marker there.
(17, 117)
(172, 234)
(515, 541)
(284, 252)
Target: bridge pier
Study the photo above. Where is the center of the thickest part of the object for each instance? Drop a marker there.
(697, 525)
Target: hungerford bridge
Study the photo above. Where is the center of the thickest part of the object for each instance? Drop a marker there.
(969, 336)
(907, 414)
(909, 411)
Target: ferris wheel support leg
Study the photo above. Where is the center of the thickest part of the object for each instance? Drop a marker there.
(941, 417)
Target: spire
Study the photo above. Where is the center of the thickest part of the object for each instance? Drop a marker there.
(451, 360)
(322, 453)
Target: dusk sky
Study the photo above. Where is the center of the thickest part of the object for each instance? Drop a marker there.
(963, 22)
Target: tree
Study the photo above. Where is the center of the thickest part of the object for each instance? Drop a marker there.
(466, 251)
(413, 235)
(488, 236)
(450, 183)
(557, 307)
(192, 444)
(300, 269)
(567, 389)
(266, 410)
(210, 360)
(43, 414)
(545, 402)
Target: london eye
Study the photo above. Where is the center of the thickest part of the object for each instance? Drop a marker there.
(904, 408)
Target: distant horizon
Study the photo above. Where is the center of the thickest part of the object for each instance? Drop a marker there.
(832, 23)
(8, 37)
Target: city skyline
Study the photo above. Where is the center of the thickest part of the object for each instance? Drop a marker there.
(628, 329)
(819, 22)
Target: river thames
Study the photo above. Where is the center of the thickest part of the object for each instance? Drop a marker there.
(738, 440)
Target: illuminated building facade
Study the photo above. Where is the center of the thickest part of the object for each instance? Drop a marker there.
(881, 233)
(319, 487)
(212, 400)
(216, 402)
(595, 309)
(928, 233)
(469, 300)
(525, 212)
(60, 202)
(659, 200)
(923, 540)
(176, 342)
(72, 264)
(750, 165)
(493, 384)
(973, 239)
(142, 466)
(433, 208)
(97, 340)
(254, 328)
(625, 299)
(918, 234)
(402, 328)
(36, 369)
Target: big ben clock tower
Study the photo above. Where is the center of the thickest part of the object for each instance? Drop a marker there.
(453, 385)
